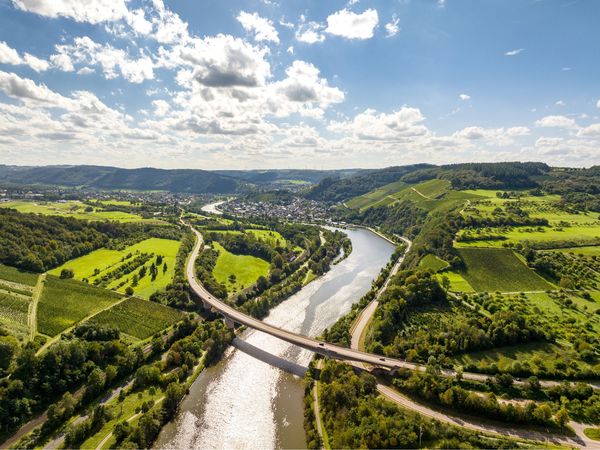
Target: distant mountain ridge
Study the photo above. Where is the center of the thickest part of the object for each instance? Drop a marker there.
(193, 181)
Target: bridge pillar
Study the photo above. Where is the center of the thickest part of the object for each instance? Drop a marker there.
(229, 323)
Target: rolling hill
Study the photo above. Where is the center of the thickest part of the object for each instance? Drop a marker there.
(110, 178)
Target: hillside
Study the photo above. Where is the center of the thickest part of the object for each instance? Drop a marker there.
(144, 179)
(341, 189)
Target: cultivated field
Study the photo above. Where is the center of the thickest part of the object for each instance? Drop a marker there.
(432, 262)
(63, 303)
(247, 269)
(273, 238)
(499, 270)
(428, 195)
(73, 209)
(138, 318)
(106, 267)
(10, 274)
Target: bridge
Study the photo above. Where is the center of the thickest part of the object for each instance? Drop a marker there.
(233, 316)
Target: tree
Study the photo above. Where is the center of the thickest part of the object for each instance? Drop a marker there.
(66, 273)
(129, 291)
(562, 417)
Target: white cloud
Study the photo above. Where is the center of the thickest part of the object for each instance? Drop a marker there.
(304, 85)
(8, 55)
(351, 25)
(225, 61)
(262, 28)
(514, 52)
(290, 50)
(113, 61)
(136, 19)
(310, 33)
(37, 64)
(392, 27)
(598, 104)
(556, 122)
(441, 3)
(62, 62)
(464, 97)
(161, 107)
(404, 124)
(591, 130)
(92, 11)
(560, 103)
(28, 91)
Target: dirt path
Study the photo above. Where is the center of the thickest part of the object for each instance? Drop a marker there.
(580, 441)
(136, 415)
(421, 194)
(317, 408)
(33, 306)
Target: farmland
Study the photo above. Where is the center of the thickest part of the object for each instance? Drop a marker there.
(75, 209)
(115, 269)
(16, 288)
(10, 274)
(63, 303)
(13, 313)
(138, 318)
(271, 237)
(433, 262)
(246, 269)
(499, 270)
(427, 195)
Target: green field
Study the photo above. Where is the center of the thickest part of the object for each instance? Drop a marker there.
(271, 237)
(428, 195)
(577, 233)
(432, 262)
(457, 282)
(372, 198)
(13, 275)
(247, 269)
(499, 270)
(586, 251)
(138, 318)
(506, 357)
(106, 260)
(63, 303)
(73, 209)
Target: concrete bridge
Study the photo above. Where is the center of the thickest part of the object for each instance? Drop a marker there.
(233, 316)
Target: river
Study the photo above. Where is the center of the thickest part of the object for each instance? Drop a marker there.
(212, 207)
(253, 398)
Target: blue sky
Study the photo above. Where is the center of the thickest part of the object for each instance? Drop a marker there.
(302, 84)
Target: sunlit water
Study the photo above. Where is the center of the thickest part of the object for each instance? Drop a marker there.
(253, 397)
(212, 207)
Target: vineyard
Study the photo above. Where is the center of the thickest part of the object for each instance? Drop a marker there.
(63, 303)
(138, 318)
(13, 309)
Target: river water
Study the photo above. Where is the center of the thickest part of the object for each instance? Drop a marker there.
(253, 398)
(212, 207)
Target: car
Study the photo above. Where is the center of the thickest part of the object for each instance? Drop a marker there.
(381, 359)
(321, 344)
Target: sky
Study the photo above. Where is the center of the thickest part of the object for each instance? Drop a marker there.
(305, 84)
